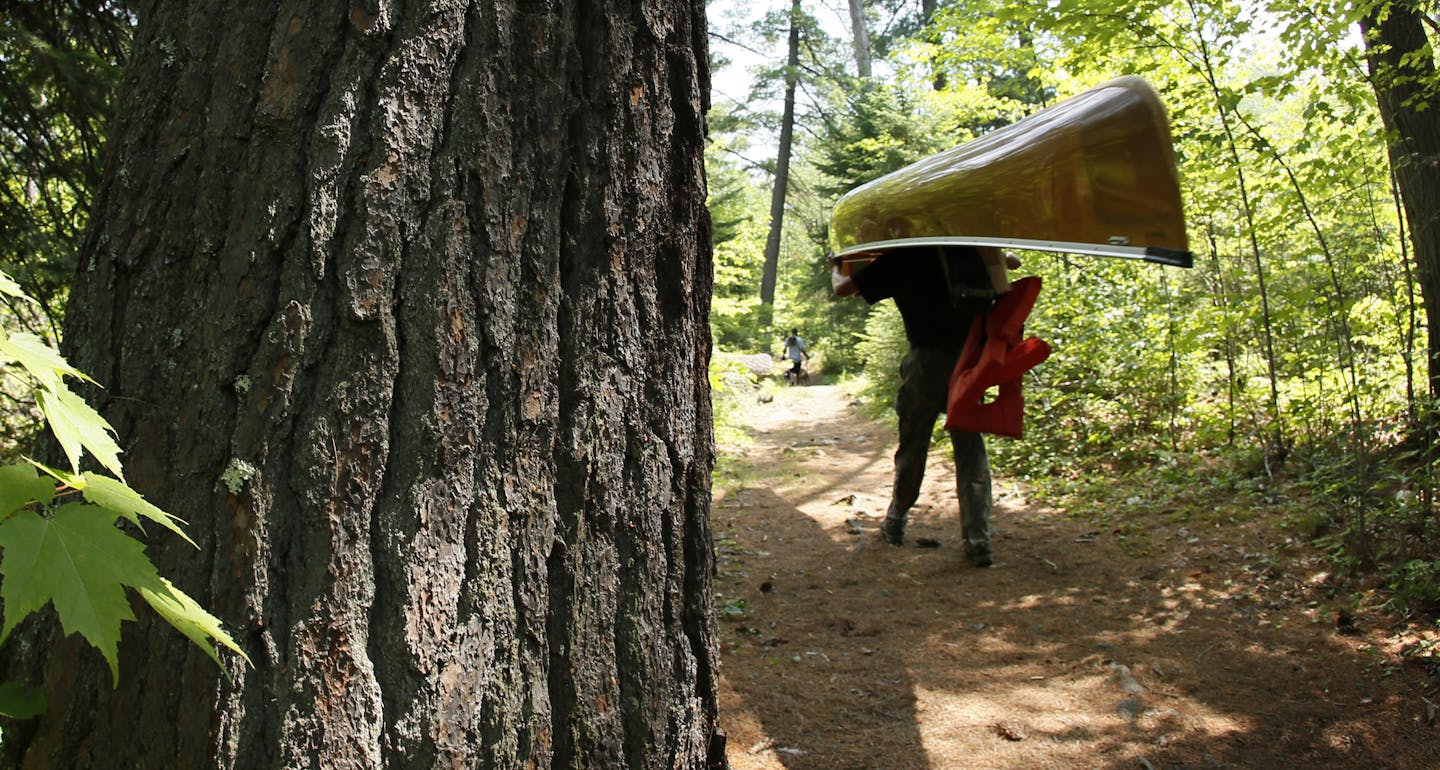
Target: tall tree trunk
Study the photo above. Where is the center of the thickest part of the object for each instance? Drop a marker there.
(406, 311)
(860, 38)
(782, 171)
(927, 16)
(1279, 442)
(1402, 71)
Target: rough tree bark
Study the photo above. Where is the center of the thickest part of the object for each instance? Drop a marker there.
(405, 308)
(1402, 70)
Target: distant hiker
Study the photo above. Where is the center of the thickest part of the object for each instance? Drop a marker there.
(795, 351)
(939, 292)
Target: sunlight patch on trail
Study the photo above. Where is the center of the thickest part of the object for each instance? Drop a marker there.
(1054, 722)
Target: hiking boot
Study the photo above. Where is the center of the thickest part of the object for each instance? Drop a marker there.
(979, 555)
(893, 532)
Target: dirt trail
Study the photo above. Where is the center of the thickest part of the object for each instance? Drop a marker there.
(1215, 651)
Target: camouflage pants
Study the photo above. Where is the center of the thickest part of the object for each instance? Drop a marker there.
(924, 386)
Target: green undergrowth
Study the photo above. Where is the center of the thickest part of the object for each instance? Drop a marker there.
(733, 387)
(1373, 518)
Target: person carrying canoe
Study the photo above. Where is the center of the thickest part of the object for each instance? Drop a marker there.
(939, 291)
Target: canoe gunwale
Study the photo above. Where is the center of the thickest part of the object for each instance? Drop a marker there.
(1156, 254)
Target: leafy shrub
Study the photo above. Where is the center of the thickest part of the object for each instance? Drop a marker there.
(1416, 585)
(733, 385)
(882, 347)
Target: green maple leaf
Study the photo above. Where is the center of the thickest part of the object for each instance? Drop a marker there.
(190, 619)
(76, 425)
(116, 496)
(18, 701)
(20, 486)
(43, 363)
(79, 561)
(9, 288)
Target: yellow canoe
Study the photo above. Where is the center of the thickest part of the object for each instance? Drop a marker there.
(1094, 174)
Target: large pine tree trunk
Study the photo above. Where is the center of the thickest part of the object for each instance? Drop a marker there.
(1402, 70)
(405, 309)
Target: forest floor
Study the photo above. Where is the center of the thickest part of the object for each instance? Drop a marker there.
(1214, 647)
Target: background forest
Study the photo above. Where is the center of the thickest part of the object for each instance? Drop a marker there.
(1287, 375)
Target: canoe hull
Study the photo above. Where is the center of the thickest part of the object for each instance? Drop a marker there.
(1094, 174)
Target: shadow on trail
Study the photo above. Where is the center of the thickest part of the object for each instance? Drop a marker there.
(1071, 653)
(805, 689)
